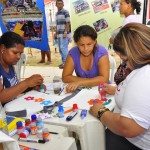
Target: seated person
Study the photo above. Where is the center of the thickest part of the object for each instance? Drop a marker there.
(11, 48)
(128, 126)
(122, 72)
(89, 60)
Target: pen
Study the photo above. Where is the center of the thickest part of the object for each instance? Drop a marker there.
(68, 110)
(83, 113)
(53, 132)
(31, 140)
(23, 147)
(61, 90)
(71, 115)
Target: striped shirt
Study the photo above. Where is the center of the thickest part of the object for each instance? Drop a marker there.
(62, 17)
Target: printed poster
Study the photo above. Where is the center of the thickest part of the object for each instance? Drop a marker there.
(27, 18)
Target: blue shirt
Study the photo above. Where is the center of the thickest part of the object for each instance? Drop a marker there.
(8, 79)
(75, 54)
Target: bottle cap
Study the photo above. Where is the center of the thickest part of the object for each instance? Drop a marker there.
(75, 106)
(41, 87)
(101, 85)
(19, 124)
(60, 108)
(27, 121)
(33, 117)
(22, 135)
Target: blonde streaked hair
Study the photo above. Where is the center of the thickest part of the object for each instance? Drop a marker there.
(133, 41)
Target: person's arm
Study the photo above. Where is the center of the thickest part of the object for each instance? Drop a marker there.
(67, 74)
(66, 29)
(67, 17)
(7, 94)
(120, 125)
(55, 33)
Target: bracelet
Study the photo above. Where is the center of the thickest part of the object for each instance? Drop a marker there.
(65, 32)
(101, 111)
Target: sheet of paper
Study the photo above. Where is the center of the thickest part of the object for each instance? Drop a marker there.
(28, 102)
(82, 98)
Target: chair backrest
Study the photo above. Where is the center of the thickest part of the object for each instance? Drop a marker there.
(113, 68)
(21, 64)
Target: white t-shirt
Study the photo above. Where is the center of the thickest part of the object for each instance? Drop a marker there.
(129, 19)
(132, 18)
(133, 101)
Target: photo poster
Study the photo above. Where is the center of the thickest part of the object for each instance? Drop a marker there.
(27, 18)
(102, 15)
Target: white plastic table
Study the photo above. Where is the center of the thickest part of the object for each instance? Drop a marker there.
(90, 130)
(57, 141)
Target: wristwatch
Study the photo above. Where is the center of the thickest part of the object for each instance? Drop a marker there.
(65, 32)
(101, 111)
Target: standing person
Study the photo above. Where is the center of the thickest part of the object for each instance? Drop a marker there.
(11, 48)
(62, 30)
(43, 55)
(88, 59)
(128, 127)
(127, 8)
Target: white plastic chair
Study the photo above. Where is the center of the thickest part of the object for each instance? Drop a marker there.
(113, 68)
(21, 64)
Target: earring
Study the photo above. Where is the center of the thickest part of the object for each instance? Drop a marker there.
(2, 52)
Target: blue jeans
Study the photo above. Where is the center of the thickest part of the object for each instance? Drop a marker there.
(63, 48)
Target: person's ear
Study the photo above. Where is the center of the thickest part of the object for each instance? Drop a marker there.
(129, 5)
(2, 47)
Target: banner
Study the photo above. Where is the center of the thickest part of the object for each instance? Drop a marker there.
(103, 15)
(27, 18)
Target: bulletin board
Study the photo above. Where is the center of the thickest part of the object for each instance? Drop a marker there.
(103, 15)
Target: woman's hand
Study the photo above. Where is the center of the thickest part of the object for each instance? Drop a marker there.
(71, 87)
(109, 89)
(95, 108)
(37, 88)
(34, 80)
